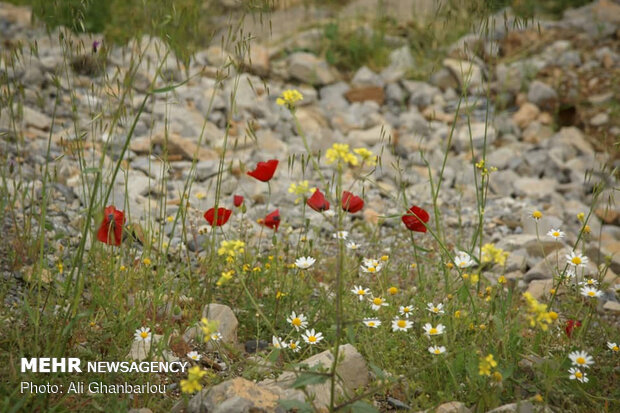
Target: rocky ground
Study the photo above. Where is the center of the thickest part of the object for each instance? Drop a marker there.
(543, 98)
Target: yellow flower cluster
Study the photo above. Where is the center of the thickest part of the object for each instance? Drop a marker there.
(484, 170)
(289, 97)
(300, 189)
(231, 248)
(538, 314)
(208, 327)
(192, 384)
(367, 157)
(490, 253)
(486, 365)
(225, 277)
(339, 152)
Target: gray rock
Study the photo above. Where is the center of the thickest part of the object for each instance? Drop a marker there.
(36, 119)
(332, 97)
(599, 119)
(452, 407)
(373, 136)
(542, 95)
(474, 134)
(540, 288)
(524, 406)
(227, 323)
(467, 74)
(141, 350)
(535, 188)
(421, 94)
(401, 62)
(308, 68)
(366, 77)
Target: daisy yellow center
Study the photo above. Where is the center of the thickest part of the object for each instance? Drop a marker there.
(437, 351)
(432, 331)
(144, 334)
(377, 301)
(435, 310)
(578, 374)
(401, 323)
(371, 323)
(293, 346)
(462, 264)
(537, 214)
(406, 310)
(296, 321)
(312, 339)
(194, 357)
(371, 269)
(591, 293)
(576, 260)
(615, 348)
(556, 234)
(361, 292)
(580, 360)
(590, 282)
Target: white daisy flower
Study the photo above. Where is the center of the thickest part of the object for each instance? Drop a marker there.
(341, 235)
(304, 262)
(576, 260)
(377, 303)
(464, 260)
(401, 324)
(436, 349)
(577, 374)
(429, 330)
(372, 322)
(570, 272)
(405, 310)
(591, 292)
(581, 359)
(276, 342)
(590, 282)
(311, 337)
(352, 245)
(329, 213)
(294, 346)
(370, 265)
(194, 355)
(297, 321)
(360, 291)
(613, 346)
(435, 309)
(143, 334)
(556, 234)
(216, 336)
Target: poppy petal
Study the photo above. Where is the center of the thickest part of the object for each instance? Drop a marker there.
(264, 170)
(318, 202)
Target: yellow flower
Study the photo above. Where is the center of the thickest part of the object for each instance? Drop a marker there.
(339, 152)
(231, 248)
(538, 398)
(208, 327)
(200, 195)
(300, 189)
(457, 314)
(367, 157)
(279, 294)
(225, 277)
(474, 278)
(60, 267)
(537, 215)
(537, 313)
(587, 229)
(192, 384)
(393, 290)
(485, 365)
(492, 254)
(289, 97)
(480, 164)
(146, 261)
(123, 268)
(581, 216)
(449, 265)
(385, 258)
(169, 218)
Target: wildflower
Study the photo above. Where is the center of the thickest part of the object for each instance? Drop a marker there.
(415, 218)
(581, 359)
(485, 365)
(276, 342)
(429, 330)
(304, 262)
(436, 349)
(581, 216)
(587, 229)
(372, 322)
(537, 215)
(377, 303)
(392, 290)
(219, 218)
(577, 374)
(367, 157)
(457, 314)
(538, 398)
(311, 337)
(95, 45)
(351, 203)
(556, 234)
(194, 355)
(318, 202)
(217, 336)
(192, 384)
(463, 260)
(294, 346)
(143, 334)
(340, 152)
(490, 253)
(329, 213)
(60, 267)
(591, 292)
(200, 195)
(225, 277)
(537, 313)
(111, 228)
(169, 218)
(576, 260)
(289, 97)
(301, 189)
(237, 200)
(613, 346)
(279, 294)
(570, 326)
(146, 261)
(272, 220)
(360, 292)
(474, 278)
(208, 327)
(231, 248)
(352, 245)
(341, 235)
(435, 309)
(122, 268)
(297, 321)
(401, 324)
(385, 257)
(589, 282)
(264, 170)
(501, 279)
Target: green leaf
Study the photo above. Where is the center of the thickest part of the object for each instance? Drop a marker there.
(169, 88)
(306, 379)
(92, 170)
(301, 407)
(362, 407)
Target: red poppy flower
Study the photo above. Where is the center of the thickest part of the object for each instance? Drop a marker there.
(264, 170)
(237, 200)
(318, 202)
(351, 203)
(111, 229)
(272, 220)
(223, 215)
(414, 219)
(570, 325)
